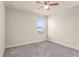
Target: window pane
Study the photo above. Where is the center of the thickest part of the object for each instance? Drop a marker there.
(41, 24)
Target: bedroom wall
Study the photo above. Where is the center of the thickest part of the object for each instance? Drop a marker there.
(2, 28)
(22, 28)
(63, 27)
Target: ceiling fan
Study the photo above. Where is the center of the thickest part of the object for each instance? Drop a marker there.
(47, 4)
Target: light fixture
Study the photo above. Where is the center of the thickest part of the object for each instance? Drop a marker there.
(46, 7)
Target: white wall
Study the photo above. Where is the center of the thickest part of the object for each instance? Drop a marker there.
(22, 28)
(2, 28)
(63, 27)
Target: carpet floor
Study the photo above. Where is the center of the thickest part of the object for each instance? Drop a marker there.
(41, 49)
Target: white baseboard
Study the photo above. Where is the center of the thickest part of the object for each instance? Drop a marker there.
(24, 43)
(40, 41)
(63, 44)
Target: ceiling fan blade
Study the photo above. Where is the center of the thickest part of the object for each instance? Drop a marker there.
(37, 2)
(41, 2)
(54, 4)
(45, 3)
(40, 7)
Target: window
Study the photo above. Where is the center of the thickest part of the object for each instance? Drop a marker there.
(41, 24)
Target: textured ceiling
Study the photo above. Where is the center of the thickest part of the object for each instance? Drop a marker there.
(32, 6)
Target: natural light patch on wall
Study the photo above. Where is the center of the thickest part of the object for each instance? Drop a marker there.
(41, 24)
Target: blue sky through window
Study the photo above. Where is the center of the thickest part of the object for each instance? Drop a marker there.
(41, 22)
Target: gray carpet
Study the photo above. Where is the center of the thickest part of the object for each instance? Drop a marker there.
(41, 49)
